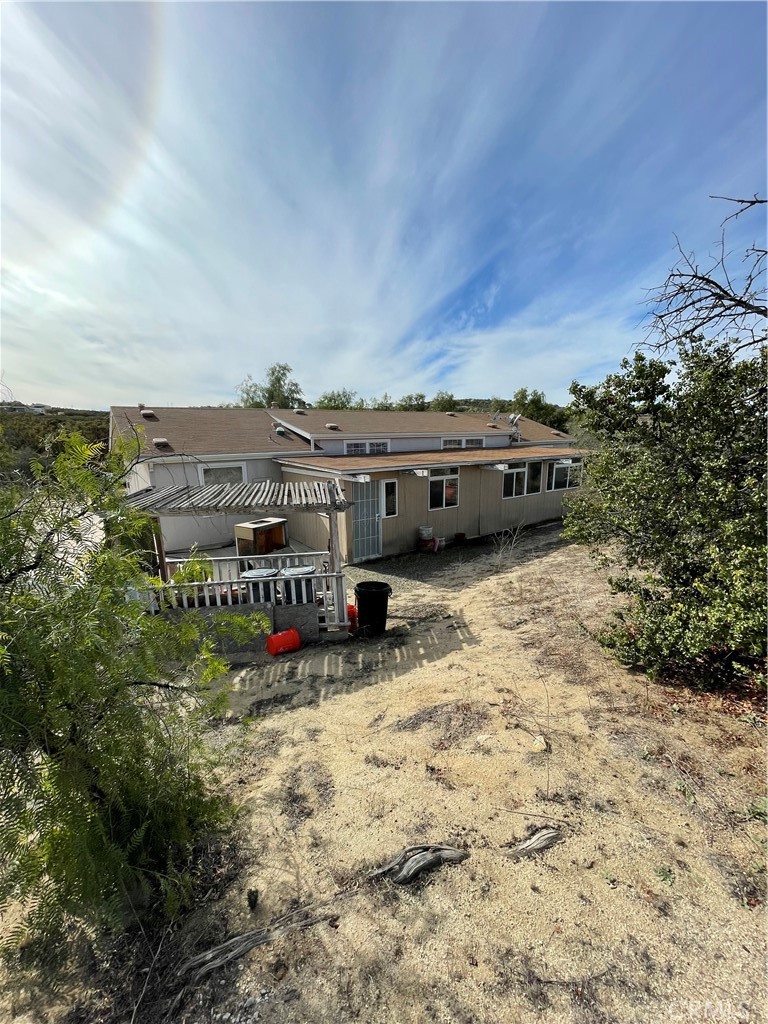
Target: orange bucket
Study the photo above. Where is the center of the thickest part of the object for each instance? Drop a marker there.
(282, 643)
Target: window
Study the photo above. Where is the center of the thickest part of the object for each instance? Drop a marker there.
(533, 483)
(390, 498)
(563, 474)
(443, 488)
(521, 478)
(366, 447)
(514, 480)
(232, 474)
(463, 442)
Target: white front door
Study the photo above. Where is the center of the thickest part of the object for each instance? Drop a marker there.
(366, 521)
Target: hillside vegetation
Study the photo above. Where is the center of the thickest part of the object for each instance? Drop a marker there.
(25, 436)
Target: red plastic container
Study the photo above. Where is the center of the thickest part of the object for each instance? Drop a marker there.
(352, 616)
(282, 643)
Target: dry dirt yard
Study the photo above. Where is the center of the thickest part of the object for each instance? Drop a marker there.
(650, 909)
(339, 755)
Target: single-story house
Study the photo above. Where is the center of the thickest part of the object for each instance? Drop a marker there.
(462, 474)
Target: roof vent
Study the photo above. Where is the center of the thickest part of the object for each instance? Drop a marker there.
(160, 442)
(148, 414)
(299, 412)
(492, 426)
(450, 414)
(558, 433)
(281, 431)
(331, 426)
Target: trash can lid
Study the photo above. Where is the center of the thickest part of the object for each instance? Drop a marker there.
(258, 574)
(373, 587)
(299, 570)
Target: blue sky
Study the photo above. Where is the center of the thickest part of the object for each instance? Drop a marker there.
(389, 197)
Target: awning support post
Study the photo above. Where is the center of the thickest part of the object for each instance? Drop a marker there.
(157, 533)
(334, 548)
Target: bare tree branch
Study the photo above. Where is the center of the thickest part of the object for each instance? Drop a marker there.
(718, 299)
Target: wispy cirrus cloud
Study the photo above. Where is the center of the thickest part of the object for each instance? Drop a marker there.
(387, 197)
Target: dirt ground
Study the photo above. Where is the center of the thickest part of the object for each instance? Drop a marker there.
(649, 910)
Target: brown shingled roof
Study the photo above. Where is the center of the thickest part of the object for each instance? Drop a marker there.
(422, 460)
(206, 431)
(218, 431)
(370, 422)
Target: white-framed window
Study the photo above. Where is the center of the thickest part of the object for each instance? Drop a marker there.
(389, 498)
(443, 488)
(222, 473)
(450, 443)
(521, 478)
(563, 474)
(513, 485)
(366, 447)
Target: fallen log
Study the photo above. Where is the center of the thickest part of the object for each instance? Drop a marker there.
(541, 840)
(414, 860)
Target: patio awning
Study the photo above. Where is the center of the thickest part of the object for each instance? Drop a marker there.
(297, 496)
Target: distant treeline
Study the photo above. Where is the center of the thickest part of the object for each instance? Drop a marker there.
(532, 404)
(26, 436)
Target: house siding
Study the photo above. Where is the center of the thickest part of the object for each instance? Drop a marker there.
(481, 511)
(175, 474)
(181, 532)
(335, 446)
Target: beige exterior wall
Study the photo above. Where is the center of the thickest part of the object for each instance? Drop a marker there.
(311, 529)
(481, 511)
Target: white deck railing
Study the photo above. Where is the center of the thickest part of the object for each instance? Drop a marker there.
(231, 568)
(326, 590)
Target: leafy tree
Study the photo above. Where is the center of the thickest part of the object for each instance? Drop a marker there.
(534, 405)
(383, 404)
(106, 784)
(342, 399)
(416, 402)
(674, 498)
(277, 388)
(443, 402)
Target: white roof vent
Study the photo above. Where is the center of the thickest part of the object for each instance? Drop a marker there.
(492, 426)
(299, 412)
(331, 426)
(450, 414)
(148, 414)
(160, 442)
(281, 431)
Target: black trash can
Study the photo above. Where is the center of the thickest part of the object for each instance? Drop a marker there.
(372, 600)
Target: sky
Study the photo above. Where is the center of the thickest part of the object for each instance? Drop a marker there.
(388, 197)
